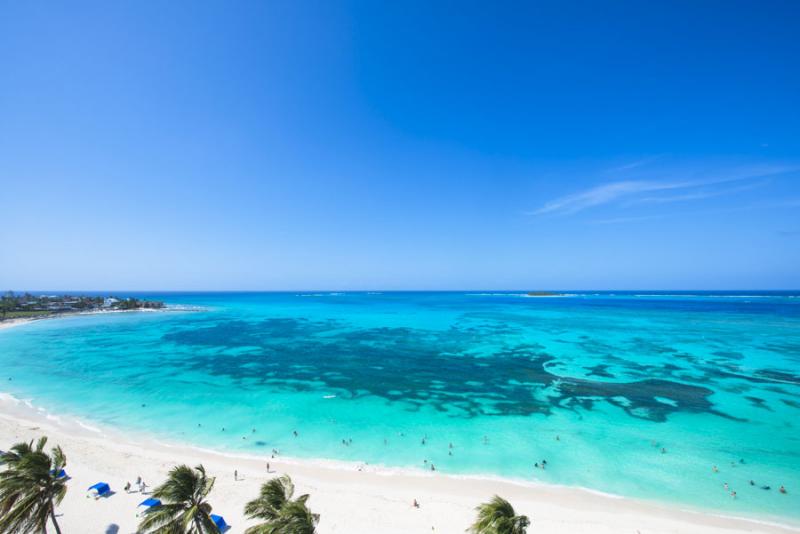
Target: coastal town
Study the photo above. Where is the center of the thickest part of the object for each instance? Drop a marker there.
(28, 306)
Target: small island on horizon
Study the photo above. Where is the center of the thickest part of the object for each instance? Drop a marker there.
(543, 294)
(28, 306)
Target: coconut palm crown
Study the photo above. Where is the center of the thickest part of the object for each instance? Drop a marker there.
(281, 514)
(497, 517)
(31, 488)
(183, 509)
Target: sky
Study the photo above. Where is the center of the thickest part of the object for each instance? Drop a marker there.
(399, 145)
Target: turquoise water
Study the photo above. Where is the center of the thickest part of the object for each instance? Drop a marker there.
(713, 379)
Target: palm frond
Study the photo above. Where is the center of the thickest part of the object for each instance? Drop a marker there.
(498, 517)
(30, 488)
(280, 513)
(183, 509)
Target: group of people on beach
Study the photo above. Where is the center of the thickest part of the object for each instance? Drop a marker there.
(140, 484)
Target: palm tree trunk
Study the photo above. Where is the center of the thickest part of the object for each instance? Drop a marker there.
(55, 523)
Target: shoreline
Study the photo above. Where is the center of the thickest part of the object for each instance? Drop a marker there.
(19, 321)
(372, 499)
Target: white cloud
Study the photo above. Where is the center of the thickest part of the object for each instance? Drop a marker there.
(692, 187)
(602, 194)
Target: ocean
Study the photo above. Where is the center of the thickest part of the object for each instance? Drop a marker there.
(638, 394)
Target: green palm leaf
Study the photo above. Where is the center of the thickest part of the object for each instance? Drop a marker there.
(30, 488)
(280, 513)
(498, 517)
(184, 509)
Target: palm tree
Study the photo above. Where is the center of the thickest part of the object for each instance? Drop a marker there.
(30, 488)
(497, 517)
(280, 513)
(183, 509)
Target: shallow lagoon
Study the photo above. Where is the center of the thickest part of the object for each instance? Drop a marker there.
(595, 383)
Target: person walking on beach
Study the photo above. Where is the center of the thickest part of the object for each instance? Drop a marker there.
(235, 474)
(127, 487)
(267, 467)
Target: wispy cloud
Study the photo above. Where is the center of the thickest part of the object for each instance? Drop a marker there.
(691, 187)
(603, 194)
(700, 194)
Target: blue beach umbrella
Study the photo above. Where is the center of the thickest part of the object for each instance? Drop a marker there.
(220, 522)
(99, 489)
(61, 474)
(146, 505)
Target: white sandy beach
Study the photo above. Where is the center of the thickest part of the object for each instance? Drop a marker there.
(348, 500)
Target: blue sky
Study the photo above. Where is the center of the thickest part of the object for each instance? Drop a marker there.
(400, 145)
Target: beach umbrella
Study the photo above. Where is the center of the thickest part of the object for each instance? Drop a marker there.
(220, 522)
(147, 504)
(99, 489)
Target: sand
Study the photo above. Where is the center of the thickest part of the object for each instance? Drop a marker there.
(348, 499)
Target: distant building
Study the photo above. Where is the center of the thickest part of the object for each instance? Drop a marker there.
(108, 302)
